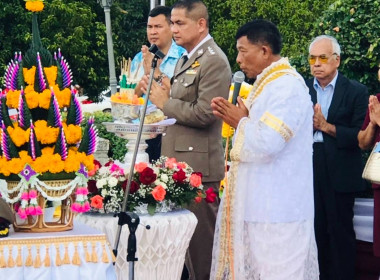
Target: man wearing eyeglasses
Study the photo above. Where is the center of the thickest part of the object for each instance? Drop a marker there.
(339, 109)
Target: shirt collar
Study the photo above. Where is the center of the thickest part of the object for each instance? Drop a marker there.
(208, 37)
(175, 51)
(332, 83)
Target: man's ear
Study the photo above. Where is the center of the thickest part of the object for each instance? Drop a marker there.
(202, 24)
(267, 51)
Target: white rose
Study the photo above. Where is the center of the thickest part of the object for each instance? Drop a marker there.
(104, 192)
(164, 185)
(100, 183)
(164, 178)
(112, 182)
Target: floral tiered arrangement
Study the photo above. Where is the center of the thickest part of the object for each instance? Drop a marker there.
(44, 154)
(159, 187)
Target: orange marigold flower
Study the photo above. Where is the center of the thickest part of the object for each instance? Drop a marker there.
(56, 164)
(39, 165)
(34, 6)
(29, 75)
(51, 74)
(13, 98)
(32, 99)
(16, 165)
(71, 164)
(73, 133)
(63, 97)
(18, 135)
(44, 99)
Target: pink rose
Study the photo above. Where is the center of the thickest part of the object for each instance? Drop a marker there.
(139, 167)
(195, 180)
(97, 202)
(181, 165)
(171, 163)
(159, 193)
(116, 169)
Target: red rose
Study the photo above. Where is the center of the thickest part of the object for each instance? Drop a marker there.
(147, 176)
(91, 186)
(132, 189)
(179, 176)
(210, 195)
(109, 163)
(199, 174)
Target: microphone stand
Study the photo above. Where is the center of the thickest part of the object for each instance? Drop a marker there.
(132, 219)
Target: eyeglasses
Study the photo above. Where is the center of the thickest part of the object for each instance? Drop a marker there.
(322, 58)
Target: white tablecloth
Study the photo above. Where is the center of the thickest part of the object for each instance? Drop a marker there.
(29, 255)
(160, 250)
(363, 219)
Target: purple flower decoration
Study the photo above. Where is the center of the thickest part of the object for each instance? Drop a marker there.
(27, 173)
(82, 171)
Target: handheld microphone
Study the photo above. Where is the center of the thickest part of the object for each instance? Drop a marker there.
(156, 51)
(238, 79)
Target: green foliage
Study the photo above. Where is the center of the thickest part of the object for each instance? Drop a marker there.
(118, 147)
(355, 24)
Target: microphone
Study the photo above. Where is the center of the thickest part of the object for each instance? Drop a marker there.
(238, 79)
(156, 51)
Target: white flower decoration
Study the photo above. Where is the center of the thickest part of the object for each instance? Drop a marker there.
(112, 182)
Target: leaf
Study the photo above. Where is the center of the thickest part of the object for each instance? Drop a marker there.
(151, 209)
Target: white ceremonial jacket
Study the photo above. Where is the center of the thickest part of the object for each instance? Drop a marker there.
(276, 155)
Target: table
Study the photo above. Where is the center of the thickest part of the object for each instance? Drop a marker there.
(79, 254)
(363, 219)
(160, 250)
(367, 265)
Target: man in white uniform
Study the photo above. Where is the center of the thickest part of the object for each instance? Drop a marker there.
(265, 223)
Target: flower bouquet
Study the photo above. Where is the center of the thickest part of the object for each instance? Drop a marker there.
(159, 187)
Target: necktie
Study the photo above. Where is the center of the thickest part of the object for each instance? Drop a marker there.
(185, 58)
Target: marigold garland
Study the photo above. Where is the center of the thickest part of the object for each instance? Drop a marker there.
(42, 100)
(55, 163)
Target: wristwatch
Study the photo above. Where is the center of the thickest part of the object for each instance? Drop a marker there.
(159, 78)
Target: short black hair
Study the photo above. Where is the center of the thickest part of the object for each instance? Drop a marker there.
(261, 31)
(195, 9)
(161, 10)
